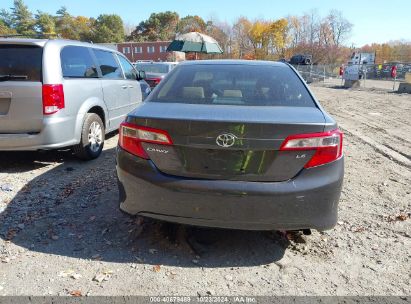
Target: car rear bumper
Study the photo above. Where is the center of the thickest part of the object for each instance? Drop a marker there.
(308, 201)
(57, 132)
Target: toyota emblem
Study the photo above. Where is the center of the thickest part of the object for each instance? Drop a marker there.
(226, 140)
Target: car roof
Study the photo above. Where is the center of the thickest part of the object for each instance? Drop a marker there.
(234, 62)
(156, 62)
(39, 42)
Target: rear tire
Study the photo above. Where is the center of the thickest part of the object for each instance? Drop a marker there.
(92, 138)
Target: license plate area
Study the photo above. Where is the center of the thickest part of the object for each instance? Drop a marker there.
(214, 161)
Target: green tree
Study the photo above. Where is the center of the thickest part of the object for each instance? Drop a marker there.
(62, 11)
(6, 18)
(84, 27)
(71, 27)
(22, 18)
(65, 25)
(159, 27)
(5, 29)
(108, 28)
(45, 23)
(191, 24)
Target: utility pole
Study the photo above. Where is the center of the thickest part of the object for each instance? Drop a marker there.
(132, 52)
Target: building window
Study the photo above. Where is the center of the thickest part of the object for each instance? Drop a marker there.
(151, 49)
(163, 48)
(138, 49)
(126, 50)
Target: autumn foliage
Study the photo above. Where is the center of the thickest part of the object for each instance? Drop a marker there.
(325, 38)
(21, 21)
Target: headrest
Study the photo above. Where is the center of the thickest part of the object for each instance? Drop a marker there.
(233, 94)
(193, 92)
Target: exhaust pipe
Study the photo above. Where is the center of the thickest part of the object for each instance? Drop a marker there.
(307, 231)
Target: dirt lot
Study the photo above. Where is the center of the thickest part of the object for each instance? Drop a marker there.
(61, 231)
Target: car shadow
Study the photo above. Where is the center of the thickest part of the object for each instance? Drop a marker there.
(72, 210)
(11, 162)
(24, 161)
(337, 87)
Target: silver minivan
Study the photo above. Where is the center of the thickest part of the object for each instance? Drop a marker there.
(61, 93)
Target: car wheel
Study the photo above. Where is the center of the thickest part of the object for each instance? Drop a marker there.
(92, 138)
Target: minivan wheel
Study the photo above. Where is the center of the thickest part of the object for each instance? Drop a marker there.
(92, 138)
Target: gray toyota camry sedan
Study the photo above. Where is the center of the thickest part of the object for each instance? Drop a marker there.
(232, 144)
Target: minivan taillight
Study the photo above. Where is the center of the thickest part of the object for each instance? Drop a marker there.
(132, 136)
(153, 81)
(327, 146)
(53, 98)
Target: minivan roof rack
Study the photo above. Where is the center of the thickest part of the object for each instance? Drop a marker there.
(34, 36)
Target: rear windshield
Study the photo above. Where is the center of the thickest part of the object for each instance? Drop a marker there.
(229, 84)
(152, 67)
(20, 62)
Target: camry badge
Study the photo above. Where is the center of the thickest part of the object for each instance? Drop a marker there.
(226, 140)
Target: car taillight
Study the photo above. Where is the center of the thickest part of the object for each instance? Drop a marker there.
(327, 146)
(53, 98)
(131, 136)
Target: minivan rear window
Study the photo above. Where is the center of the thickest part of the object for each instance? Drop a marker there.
(20, 62)
(234, 84)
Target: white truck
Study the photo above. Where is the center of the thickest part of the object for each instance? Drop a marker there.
(362, 58)
(357, 65)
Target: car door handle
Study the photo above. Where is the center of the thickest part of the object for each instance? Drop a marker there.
(124, 86)
(130, 86)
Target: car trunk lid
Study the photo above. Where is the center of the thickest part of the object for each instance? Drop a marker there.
(198, 152)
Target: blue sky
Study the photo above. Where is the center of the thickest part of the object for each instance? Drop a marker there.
(374, 21)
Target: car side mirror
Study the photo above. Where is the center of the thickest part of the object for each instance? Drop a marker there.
(141, 75)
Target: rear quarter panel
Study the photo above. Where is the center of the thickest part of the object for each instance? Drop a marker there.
(329, 122)
(80, 95)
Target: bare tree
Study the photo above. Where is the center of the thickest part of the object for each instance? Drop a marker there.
(295, 31)
(224, 36)
(241, 36)
(128, 28)
(339, 26)
(313, 27)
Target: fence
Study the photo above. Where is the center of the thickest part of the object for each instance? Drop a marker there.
(313, 73)
(383, 71)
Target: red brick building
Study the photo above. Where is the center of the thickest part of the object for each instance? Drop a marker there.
(154, 51)
(135, 51)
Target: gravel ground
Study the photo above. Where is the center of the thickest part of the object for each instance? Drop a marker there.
(61, 231)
